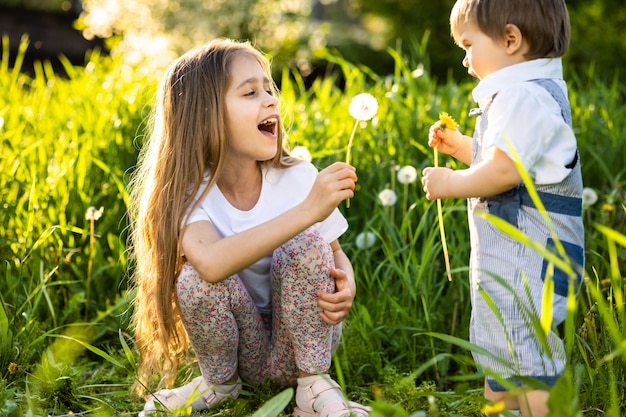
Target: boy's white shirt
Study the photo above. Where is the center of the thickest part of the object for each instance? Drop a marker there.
(279, 193)
(522, 108)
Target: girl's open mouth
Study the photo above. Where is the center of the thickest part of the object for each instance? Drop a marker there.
(269, 125)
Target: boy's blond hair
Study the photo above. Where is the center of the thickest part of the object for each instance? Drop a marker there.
(544, 24)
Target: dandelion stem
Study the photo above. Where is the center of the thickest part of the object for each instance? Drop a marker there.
(356, 123)
(92, 240)
(442, 232)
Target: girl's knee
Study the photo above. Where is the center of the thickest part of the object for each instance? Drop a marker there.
(307, 250)
(191, 289)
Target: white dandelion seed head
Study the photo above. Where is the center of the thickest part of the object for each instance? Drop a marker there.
(365, 240)
(93, 213)
(387, 197)
(301, 152)
(407, 174)
(589, 197)
(363, 106)
(418, 71)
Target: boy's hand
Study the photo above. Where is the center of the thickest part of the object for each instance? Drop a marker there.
(435, 182)
(444, 140)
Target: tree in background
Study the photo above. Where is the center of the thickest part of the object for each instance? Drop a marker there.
(411, 20)
(598, 36)
(155, 31)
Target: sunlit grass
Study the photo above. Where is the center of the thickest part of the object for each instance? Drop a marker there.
(68, 144)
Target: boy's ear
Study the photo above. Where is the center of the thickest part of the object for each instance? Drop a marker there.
(513, 38)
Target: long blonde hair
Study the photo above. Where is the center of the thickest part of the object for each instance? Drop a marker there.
(187, 136)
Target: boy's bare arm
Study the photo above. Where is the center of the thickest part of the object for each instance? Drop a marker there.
(490, 177)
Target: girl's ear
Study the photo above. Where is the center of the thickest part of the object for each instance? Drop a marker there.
(513, 39)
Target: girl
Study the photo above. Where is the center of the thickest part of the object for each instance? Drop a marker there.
(235, 242)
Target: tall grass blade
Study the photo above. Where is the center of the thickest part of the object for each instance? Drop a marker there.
(93, 349)
(276, 405)
(547, 301)
(130, 357)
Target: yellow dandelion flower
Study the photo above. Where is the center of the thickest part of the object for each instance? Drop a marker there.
(493, 409)
(609, 208)
(378, 393)
(12, 368)
(447, 122)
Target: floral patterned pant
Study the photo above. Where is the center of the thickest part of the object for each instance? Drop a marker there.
(228, 334)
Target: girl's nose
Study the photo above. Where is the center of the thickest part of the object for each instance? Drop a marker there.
(270, 100)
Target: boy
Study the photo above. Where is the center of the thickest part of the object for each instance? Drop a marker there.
(514, 47)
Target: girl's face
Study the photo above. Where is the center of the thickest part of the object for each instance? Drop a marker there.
(251, 112)
(483, 55)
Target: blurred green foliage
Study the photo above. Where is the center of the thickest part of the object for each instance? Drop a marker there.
(294, 31)
(598, 38)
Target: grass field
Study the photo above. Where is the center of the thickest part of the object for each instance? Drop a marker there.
(69, 145)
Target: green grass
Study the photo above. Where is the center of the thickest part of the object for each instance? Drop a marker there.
(70, 143)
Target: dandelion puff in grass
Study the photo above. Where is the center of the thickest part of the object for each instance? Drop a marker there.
(407, 174)
(93, 213)
(301, 152)
(387, 197)
(590, 197)
(365, 240)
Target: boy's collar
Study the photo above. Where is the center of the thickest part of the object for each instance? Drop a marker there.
(525, 71)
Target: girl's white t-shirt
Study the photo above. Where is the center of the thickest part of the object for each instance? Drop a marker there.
(281, 190)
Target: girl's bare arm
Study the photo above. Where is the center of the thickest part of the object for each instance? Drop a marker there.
(218, 258)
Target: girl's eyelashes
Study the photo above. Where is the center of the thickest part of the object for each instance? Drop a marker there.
(253, 92)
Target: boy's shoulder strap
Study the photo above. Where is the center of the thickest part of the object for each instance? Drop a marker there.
(557, 94)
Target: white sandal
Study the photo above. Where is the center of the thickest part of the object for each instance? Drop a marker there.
(196, 394)
(306, 396)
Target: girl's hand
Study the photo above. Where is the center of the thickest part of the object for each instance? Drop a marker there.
(336, 306)
(333, 184)
(446, 141)
(436, 182)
